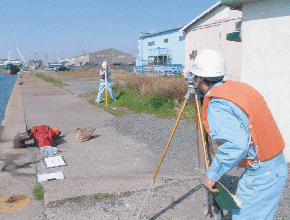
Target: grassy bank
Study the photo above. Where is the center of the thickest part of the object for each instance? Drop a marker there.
(51, 80)
(162, 96)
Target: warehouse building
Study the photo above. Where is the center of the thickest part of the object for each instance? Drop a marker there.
(111, 55)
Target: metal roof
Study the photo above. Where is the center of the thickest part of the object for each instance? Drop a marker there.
(159, 32)
(200, 16)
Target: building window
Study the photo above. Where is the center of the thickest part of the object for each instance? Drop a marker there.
(181, 38)
(166, 40)
(151, 43)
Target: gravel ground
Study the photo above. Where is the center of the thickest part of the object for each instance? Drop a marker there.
(174, 201)
(181, 156)
(81, 87)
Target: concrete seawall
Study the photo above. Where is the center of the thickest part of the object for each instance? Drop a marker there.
(14, 120)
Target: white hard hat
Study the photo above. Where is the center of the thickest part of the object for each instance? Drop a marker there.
(104, 64)
(209, 63)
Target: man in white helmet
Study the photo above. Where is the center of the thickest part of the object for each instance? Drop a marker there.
(105, 70)
(238, 119)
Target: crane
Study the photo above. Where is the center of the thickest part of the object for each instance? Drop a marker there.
(21, 56)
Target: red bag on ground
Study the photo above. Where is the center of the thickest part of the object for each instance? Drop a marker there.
(43, 138)
(40, 128)
(44, 135)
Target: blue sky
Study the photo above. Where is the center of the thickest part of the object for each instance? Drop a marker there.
(64, 29)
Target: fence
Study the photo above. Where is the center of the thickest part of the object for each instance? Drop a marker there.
(171, 69)
(128, 68)
(73, 68)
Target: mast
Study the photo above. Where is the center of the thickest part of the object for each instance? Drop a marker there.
(10, 54)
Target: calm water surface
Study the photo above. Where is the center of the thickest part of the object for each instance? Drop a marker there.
(6, 85)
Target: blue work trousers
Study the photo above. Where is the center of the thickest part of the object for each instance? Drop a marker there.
(260, 193)
(102, 89)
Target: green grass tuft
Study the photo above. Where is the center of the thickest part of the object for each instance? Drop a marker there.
(102, 196)
(38, 192)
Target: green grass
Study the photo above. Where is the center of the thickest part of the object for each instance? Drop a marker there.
(38, 192)
(111, 108)
(102, 196)
(151, 104)
(51, 80)
(61, 202)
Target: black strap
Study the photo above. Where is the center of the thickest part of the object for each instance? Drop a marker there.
(49, 140)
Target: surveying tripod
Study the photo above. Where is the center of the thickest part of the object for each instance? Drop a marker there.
(205, 156)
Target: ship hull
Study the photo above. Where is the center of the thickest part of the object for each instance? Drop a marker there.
(10, 69)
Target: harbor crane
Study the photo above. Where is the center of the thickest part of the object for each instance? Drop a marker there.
(26, 65)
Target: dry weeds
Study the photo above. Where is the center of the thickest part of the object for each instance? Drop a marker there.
(166, 87)
(88, 75)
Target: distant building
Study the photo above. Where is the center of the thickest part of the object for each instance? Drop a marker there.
(210, 30)
(266, 54)
(35, 63)
(161, 49)
(63, 61)
(111, 55)
(3, 61)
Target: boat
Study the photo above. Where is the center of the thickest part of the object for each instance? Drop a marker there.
(10, 66)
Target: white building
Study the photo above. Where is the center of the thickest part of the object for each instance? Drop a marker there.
(265, 61)
(209, 30)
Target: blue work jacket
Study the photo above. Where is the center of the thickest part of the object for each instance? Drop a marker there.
(228, 124)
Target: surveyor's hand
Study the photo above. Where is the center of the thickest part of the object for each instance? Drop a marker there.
(209, 184)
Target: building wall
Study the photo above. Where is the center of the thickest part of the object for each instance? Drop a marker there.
(174, 47)
(112, 56)
(266, 56)
(35, 63)
(209, 32)
(79, 61)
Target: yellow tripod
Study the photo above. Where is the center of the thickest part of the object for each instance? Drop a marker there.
(206, 155)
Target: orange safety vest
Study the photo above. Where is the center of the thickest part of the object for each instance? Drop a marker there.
(103, 77)
(268, 141)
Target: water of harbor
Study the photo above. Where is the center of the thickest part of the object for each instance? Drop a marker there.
(7, 83)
